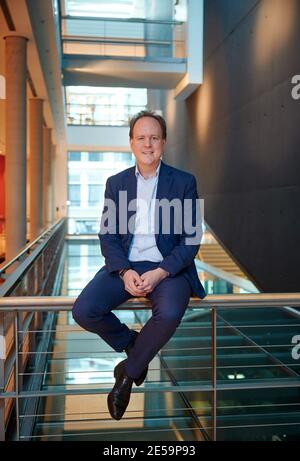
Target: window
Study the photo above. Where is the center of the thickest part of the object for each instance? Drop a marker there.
(74, 156)
(95, 194)
(87, 184)
(94, 157)
(74, 194)
(88, 105)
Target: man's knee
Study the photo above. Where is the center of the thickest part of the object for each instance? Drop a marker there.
(84, 312)
(79, 311)
(170, 317)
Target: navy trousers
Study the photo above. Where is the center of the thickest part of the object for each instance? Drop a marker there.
(169, 300)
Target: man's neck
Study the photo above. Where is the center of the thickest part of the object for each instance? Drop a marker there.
(147, 172)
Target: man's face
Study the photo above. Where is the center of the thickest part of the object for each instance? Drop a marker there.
(147, 144)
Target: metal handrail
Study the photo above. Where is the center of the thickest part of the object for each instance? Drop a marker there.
(27, 248)
(235, 280)
(116, 41)
(57, 303)
(34, 250)
(124, 20)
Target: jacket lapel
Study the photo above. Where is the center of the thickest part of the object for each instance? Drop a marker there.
(130, 186)
(165, 181)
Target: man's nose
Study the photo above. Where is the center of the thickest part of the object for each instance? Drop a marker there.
(148, 141)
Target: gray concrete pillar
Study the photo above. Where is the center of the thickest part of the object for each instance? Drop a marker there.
(36, 166)
(47, 175)
(53, 211)
(15, 134)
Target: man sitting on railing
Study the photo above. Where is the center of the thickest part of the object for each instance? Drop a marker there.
(150, 233)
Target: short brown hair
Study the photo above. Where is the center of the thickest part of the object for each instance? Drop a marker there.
(148, 113)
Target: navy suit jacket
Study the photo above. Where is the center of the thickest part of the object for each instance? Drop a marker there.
(178, 257)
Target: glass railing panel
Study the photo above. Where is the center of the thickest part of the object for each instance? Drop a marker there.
(258, 415)
(135, 38)
(272, 330)
(83, 260)
(254, 388)
(150, 416)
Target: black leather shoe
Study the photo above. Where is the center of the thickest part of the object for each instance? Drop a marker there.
(118, 398)
(137, 381)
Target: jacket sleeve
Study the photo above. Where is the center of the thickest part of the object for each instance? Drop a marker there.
(184, 253)
(110, 242)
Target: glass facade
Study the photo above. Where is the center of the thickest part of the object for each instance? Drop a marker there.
(87, 175)
(125, 29)
(103, 106)
(105, 8)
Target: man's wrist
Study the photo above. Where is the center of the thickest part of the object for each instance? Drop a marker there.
(163, 272)
(122, 272)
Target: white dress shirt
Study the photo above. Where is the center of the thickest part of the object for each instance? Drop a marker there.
(143, 246)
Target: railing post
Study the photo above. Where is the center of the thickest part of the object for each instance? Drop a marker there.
(214, 370)
(17, 372)
(2, 377)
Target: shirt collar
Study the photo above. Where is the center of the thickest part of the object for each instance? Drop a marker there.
(137, 173)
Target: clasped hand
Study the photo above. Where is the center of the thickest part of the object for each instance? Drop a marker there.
(140, 285)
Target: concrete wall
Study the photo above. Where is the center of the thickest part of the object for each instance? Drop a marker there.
(242, 136)
(98, 138)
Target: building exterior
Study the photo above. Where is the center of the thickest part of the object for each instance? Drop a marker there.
(225, 76)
